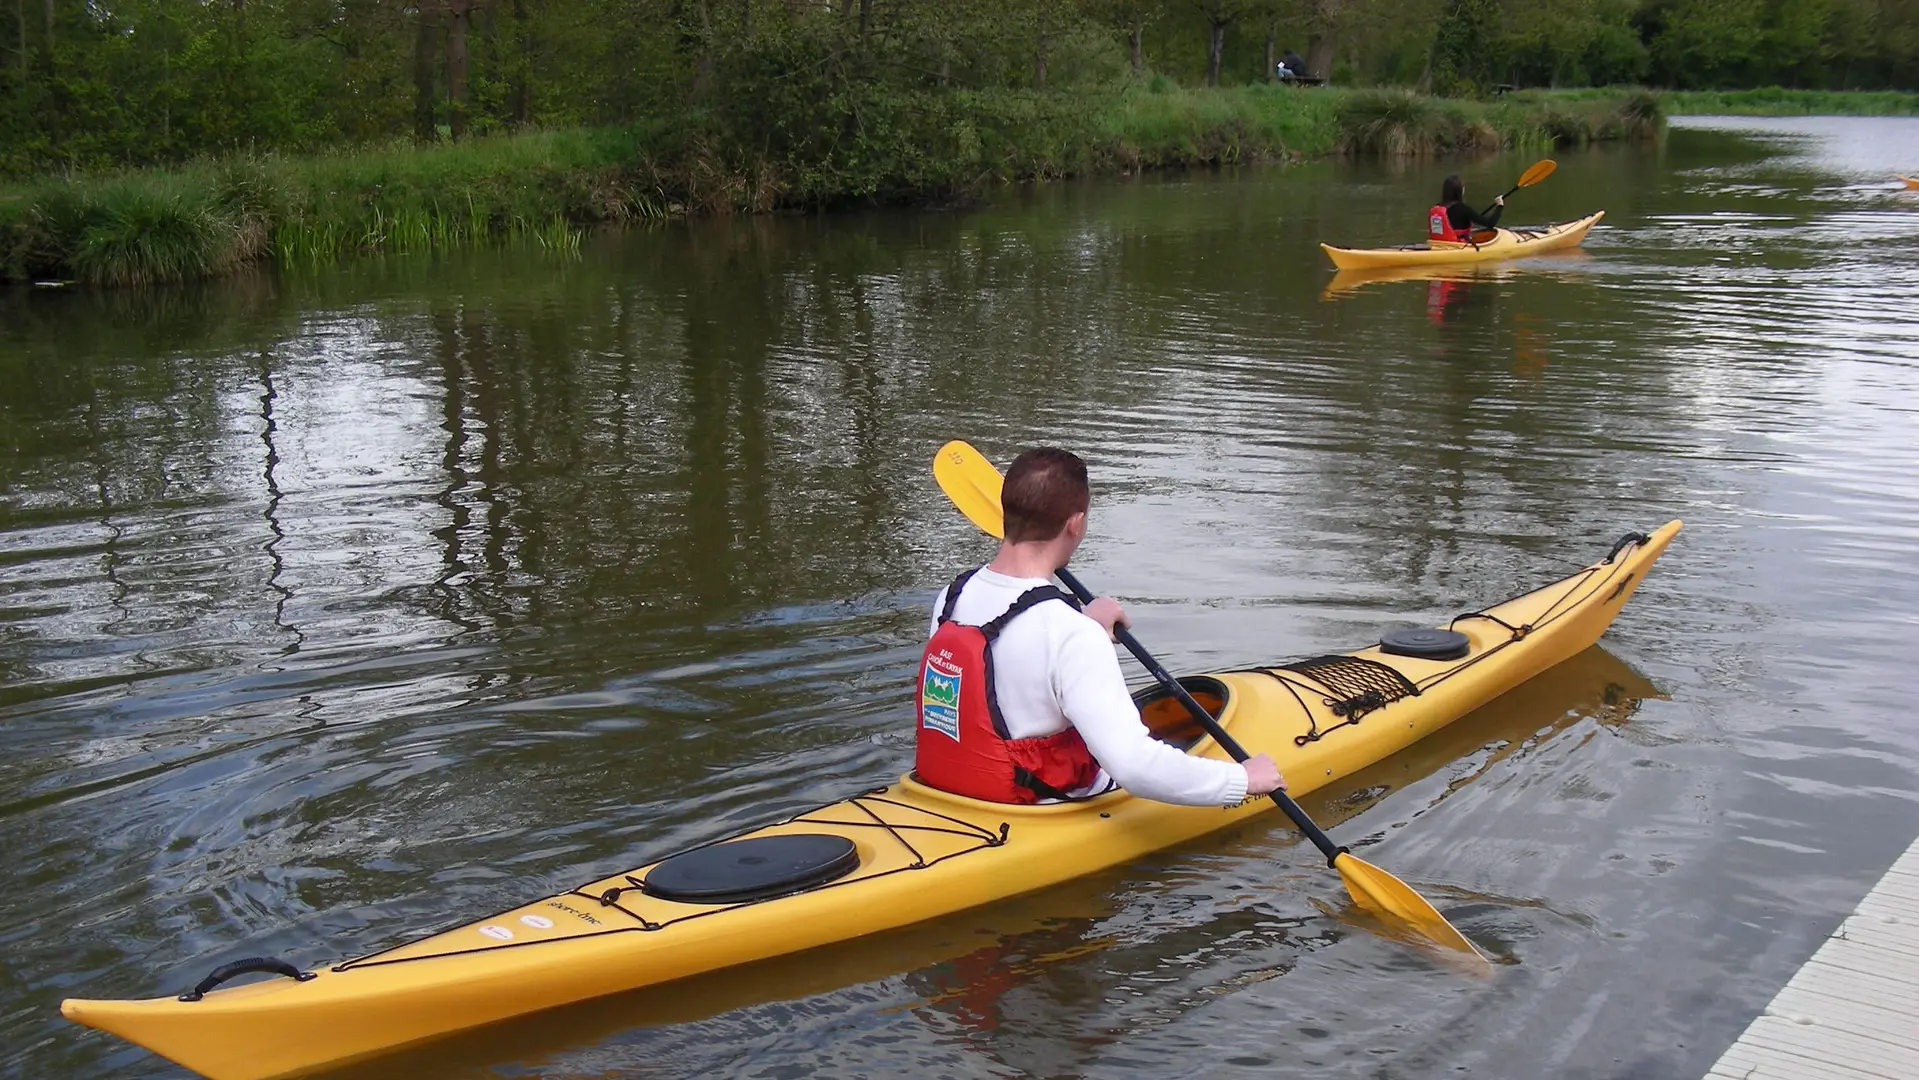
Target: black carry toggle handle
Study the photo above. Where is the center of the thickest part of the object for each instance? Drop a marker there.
(1629, 538)
(264, 965)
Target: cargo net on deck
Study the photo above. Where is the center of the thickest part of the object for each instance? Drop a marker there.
(1349, 686)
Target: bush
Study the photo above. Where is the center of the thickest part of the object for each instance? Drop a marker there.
(1401, 123)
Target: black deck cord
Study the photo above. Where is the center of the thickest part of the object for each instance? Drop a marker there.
(264, 965)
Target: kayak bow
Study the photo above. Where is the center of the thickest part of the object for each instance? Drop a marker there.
(1504, 244)
(889, 857)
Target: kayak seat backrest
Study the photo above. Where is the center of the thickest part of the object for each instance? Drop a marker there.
(761, 868)
(1169, 720)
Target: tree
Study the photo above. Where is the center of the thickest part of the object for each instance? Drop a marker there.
(426, 47)
(1322, 34)
(1462, 54)
(1219, 15)
(1131, 18)
(459, 19)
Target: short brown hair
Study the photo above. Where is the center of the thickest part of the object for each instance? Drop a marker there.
(1044, 486)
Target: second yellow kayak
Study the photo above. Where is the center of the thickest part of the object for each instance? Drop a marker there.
(1911, 181)
(1502, 244)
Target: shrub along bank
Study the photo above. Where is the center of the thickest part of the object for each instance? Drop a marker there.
(207, 218)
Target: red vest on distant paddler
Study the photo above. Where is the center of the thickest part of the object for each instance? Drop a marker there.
(963, 745)
(1439, 226)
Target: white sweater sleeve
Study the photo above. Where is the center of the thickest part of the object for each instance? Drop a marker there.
(1092, 694)
(939, 605)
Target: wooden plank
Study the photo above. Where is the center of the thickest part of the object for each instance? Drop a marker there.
(1882, 922)
(1882, 970)
(1899, 887)
(1874, 1059)
(1839, 987)
(1875, 1020)
(1748, 1063)
(1863, 959)
(1909, 862)
(1886, 907)
(1879, 934)
(1764, 1063)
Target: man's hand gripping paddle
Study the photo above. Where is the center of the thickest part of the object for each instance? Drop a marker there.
(973, 484)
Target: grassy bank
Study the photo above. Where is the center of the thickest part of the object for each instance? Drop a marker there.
(1769, 101)
(207, 218)
(1773, 101)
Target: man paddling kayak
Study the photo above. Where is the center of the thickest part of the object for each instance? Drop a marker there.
(1453, 220)
(1021, 698)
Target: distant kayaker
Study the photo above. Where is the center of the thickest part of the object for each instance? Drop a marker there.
(1453, 220)
(1021, 697)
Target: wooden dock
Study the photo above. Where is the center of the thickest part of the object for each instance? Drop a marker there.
(1852, 1013)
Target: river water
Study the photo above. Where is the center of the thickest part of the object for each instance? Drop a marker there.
(340, 606)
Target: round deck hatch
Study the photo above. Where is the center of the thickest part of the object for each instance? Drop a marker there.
(1426, 644)
(741, 871)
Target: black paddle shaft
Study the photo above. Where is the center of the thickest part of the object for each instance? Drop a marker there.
(1313, 832)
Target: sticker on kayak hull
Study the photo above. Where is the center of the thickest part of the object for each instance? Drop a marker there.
(497, 933)
(537, 922)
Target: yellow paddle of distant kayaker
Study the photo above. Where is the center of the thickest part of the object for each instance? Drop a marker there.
(974, 484)
(1540, 170)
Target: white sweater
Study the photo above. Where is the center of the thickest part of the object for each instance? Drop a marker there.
(1053, 666)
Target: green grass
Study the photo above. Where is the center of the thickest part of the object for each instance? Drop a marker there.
(204, 219)
(1774, 101)
(1767, 101)
(1156, 125)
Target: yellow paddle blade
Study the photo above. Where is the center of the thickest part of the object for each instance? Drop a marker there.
(1541, 169)
(973, 484)
(1387, 896)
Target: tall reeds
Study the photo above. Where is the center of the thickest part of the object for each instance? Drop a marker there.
(1401, 123)
(151, 226)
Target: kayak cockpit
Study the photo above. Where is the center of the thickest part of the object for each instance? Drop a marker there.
(1170, 721)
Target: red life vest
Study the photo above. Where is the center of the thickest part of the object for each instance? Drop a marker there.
(962, 742)
(1439, 226)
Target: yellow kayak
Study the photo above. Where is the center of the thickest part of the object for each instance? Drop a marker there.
(885, 858)
(1344, 282)
(1025, 934)
(1497, 244)
(1911, 181)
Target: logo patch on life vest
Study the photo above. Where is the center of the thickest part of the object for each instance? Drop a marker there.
(939, 699)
